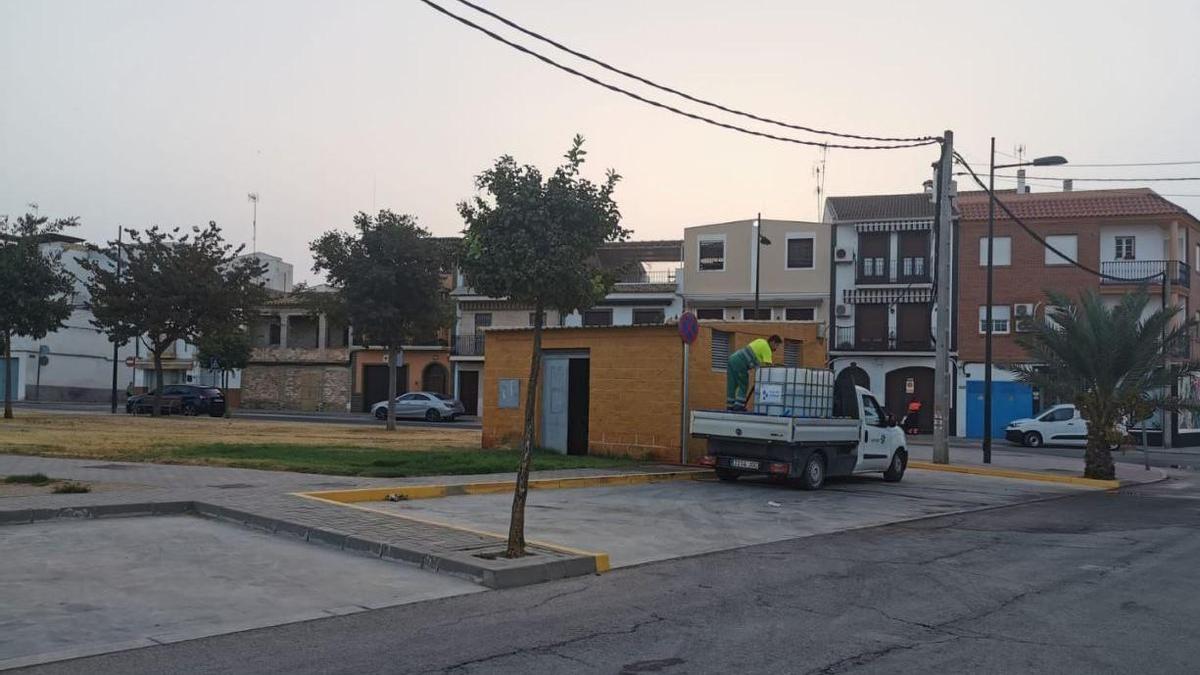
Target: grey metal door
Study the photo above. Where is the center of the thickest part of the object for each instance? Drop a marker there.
(555, 377)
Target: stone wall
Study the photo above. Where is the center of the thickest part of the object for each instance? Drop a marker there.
(296, 386)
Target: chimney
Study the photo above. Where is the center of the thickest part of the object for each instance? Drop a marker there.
(928, 185)
(1022, 188)
(1068, 184)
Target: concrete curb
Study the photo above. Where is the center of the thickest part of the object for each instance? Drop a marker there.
(410, 492)
(546, 562)
(1016, 474)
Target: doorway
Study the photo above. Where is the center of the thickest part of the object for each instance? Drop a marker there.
(468, 391)
(902, 385)
(564, 402)
(434, 378)
(375, 384)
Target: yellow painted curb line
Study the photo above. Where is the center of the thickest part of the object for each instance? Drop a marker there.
(410, 492)
(599, 558)
(1016, 473)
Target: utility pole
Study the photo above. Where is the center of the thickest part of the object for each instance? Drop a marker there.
(116, 345)
(757, 259)
(253, 197)
(942, 391)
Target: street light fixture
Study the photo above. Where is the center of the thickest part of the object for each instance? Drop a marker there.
(1050, 160)
(759, 242)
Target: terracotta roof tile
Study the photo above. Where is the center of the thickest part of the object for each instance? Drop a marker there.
(1075, 204)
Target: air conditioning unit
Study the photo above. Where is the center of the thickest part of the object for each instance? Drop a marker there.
(1024, 316)
(842, 310)
(842, 254)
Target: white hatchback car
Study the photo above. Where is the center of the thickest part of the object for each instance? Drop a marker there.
(1060, 425)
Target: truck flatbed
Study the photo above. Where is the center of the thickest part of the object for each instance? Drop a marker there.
(750, 426)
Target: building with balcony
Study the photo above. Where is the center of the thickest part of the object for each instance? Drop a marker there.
(882, 299)
(646, 293)
(790, 266)
(1134, 237)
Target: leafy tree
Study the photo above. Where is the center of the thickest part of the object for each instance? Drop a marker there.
(1109, 362)
(35, 290)
(173, 287)
(535, 241)
(229, 347)
(388, 281)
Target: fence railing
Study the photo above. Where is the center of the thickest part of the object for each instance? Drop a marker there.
(846, 339)
(467, 345)
(648, 277)
(1147, 271)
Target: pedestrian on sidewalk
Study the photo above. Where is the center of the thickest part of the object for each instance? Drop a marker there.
(912, 418)
(737, 371)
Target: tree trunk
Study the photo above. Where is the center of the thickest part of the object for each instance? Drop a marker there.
(1097, 459)
(516, 527)
(225, 390)
(156, 404)
(391, 407)
(8, 393)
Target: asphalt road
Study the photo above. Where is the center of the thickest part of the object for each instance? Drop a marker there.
(1175, 458)
(269, 415)
(1095, 583)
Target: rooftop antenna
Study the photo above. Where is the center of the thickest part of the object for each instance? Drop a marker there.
(819, 174)
(253, 197)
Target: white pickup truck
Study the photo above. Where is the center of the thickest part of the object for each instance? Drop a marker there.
(864, 440)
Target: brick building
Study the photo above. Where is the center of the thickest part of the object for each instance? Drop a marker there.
(1133, 233)
(618, 390)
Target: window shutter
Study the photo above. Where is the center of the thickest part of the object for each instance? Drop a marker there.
(720, 349)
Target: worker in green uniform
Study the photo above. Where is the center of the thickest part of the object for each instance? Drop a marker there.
(741, 362)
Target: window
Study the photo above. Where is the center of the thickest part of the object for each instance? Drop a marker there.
(874, 267)
(407, 397)
(720, 349)
(533, 318)
(1001, 315)
(1058, 415)
(870, 412)
(800, 314)
(791, 353)
(710, 313)
(597, 317)
(273, 336)
(912, 266)
(800, 253)
(873, 251)
(651, 316)
(1124, 249)
(914, 256)
(482, 321)
(763, 314)
(1001, 251)
(1068, 244)
(712, 254)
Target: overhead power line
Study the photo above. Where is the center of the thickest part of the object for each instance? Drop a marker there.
(670, 90)
(1039, 239)
(1103, 180)
(657, 104)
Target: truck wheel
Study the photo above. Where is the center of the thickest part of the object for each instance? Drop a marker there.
(895, 470)
(727, 474)
(1033, 439)
(813, 476)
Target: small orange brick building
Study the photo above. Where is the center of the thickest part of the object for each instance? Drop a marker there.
(617, 390)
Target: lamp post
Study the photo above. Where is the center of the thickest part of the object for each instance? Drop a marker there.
(1052, 160)
(759, 242)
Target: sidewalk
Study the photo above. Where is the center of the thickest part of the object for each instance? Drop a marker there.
(969, 454)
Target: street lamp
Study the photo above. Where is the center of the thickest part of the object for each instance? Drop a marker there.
(759, 242)
(1051, 160)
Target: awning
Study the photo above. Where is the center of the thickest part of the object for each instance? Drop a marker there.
(886, 296)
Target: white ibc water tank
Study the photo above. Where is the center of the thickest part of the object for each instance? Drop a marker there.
(794, 392)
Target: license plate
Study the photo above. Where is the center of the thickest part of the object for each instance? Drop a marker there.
(743, 464)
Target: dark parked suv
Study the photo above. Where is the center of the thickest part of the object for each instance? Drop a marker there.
(184, 399)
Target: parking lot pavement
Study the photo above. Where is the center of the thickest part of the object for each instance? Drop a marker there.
(74, 588)
(647, 523)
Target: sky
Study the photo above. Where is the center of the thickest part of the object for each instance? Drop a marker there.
(141, 112)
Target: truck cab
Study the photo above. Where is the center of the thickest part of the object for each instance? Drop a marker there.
(858, 438)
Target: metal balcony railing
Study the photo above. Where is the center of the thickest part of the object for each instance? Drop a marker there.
(466, 345)
(846, 339)
(1145, 271)
(648, 277)
(906, 270)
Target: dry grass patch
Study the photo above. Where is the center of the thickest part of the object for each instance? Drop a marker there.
(117, 437)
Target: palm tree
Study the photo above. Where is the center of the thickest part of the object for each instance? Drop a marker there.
(1109, 362)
